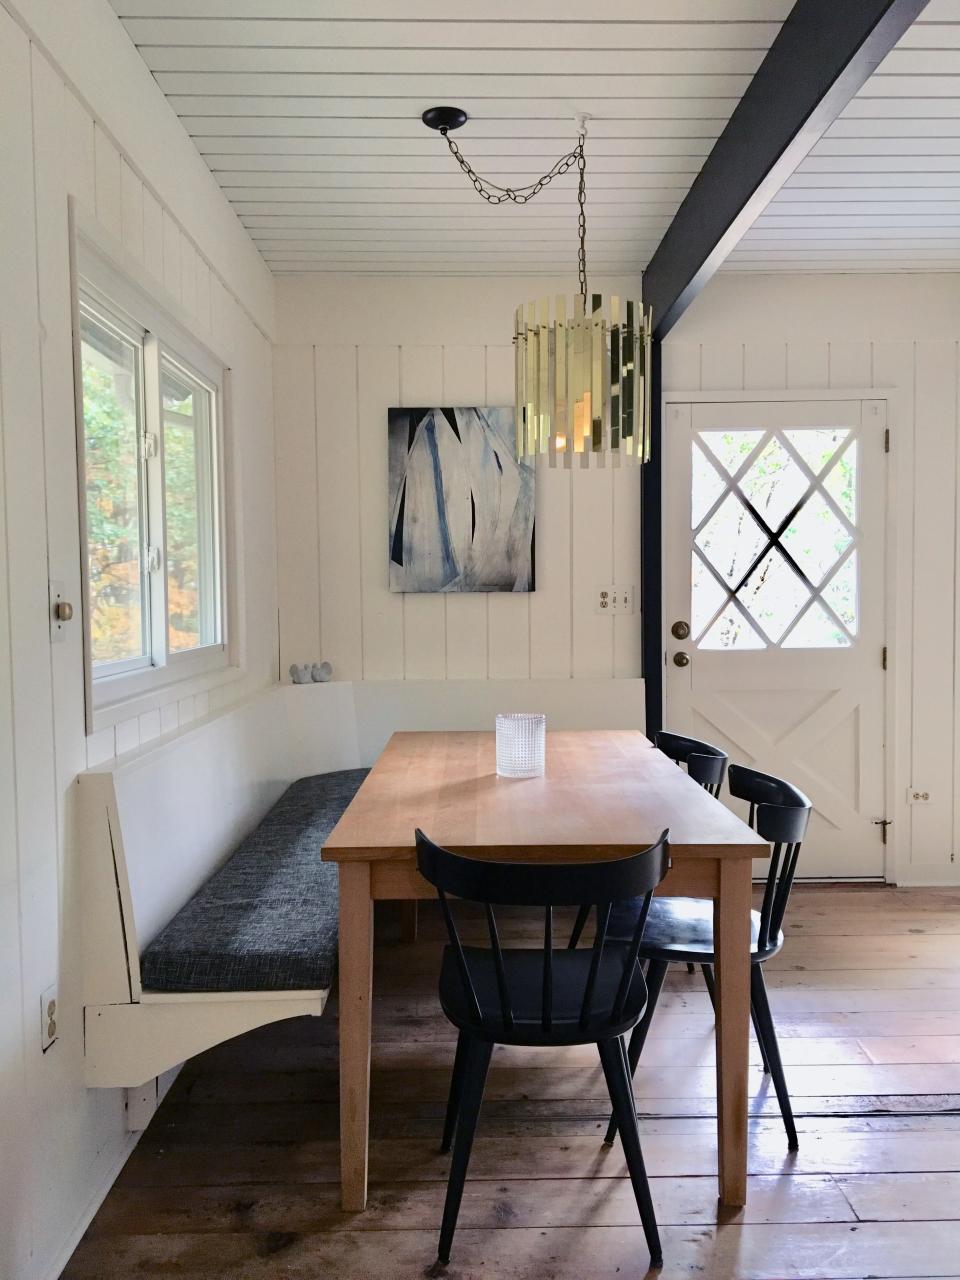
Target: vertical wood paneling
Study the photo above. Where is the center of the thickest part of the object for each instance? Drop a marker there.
(934, 585)
(203, 295)
(338, 485)
(626, 562)
(765, 366)
(721, 366)
(851, 364)
(171, 255)
(464, 383)
(78, 151)
(680, 368)
(508, 613)
(591, 567)
(378, 382)
(107, 162)
(131, 210)
(550, 624)
(424, 618)
(298, 577)
(152, 235)
(808, 365)
(188, 277)
(34, 950)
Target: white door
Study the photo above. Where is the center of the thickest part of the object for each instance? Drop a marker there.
(775, 561)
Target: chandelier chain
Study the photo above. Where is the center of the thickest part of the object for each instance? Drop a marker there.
(494, 194)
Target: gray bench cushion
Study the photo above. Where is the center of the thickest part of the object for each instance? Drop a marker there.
(267, 920)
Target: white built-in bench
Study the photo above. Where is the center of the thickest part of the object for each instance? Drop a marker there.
(207, 910)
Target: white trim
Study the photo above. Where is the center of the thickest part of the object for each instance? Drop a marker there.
(898, 852)
(107, 273)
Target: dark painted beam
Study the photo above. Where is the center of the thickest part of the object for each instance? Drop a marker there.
(823, 53)
(821, 56)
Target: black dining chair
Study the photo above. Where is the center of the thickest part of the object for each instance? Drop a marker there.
(680, 930)
(542, 997)
(705, 763)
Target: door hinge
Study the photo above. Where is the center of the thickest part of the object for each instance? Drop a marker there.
(883, 823)
(886, 440)
(883, 657)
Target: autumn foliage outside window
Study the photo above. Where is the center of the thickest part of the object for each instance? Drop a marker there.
(150, 482)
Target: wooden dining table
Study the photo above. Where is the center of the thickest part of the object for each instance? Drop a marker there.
(604, 794)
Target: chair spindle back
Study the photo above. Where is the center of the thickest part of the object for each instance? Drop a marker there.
(705, 763)
(595, 884)
(780, 813)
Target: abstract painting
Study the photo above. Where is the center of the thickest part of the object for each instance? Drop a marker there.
(461, 505)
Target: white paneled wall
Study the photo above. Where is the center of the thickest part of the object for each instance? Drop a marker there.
(897, 334)
(61, 1144)
(348, 351)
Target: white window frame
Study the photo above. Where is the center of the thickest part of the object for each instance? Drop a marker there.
(130, 687)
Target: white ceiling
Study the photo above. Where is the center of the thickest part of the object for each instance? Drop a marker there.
(308, 113)
(881, 190)
(311, 123)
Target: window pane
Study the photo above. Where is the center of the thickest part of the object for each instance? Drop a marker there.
(191, 511)
(110, 368)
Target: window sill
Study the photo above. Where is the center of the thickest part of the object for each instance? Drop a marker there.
(122, 706)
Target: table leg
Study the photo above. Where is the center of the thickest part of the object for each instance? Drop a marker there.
(731, 923)
(355, 1001)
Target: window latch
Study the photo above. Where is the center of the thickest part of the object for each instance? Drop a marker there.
(154, 560)
(149, 444)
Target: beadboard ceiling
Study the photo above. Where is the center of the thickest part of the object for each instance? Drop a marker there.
(308, 113)
(881, 190)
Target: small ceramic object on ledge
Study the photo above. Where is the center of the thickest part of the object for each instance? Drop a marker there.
(300, 674)
(321, 672)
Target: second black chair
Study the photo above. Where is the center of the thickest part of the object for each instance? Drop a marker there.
(681, 929)
(542, 997)
(705, 763)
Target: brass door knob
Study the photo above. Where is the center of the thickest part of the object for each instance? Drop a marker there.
(63, 611)
(681, 659)
(680, 630)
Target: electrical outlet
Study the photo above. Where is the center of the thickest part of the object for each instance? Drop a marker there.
(49, 1015)
(916, 795)
(614, 599)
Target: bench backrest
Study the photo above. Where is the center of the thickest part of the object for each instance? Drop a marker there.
(156, 825)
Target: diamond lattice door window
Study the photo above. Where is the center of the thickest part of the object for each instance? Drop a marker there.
(775, 549)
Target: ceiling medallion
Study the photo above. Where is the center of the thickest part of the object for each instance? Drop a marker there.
(582, 385)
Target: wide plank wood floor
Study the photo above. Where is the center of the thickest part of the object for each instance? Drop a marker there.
(237, 1175)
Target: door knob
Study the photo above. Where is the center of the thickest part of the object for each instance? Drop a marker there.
(63, 611)
(680, 630)
(681, 659)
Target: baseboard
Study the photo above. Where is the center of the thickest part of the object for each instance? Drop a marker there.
(75, 1235)
(162, 1087)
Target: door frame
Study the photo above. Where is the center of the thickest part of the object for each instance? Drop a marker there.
(898, 557)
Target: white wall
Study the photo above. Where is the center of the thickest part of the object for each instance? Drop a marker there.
(350, 347)
(120, 152)
(864, 331)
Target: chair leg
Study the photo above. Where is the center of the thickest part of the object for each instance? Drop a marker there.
(763, 1048)
(456, 1089)
(625, 1109)
(691, 967)
(476, 1061)
(707, 971)
(656, 973)
(758, 992)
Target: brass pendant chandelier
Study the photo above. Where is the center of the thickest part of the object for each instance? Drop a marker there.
(582, 384)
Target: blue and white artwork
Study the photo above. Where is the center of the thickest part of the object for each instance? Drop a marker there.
(461, 505)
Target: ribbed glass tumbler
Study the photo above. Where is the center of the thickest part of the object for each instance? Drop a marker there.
(521, 745)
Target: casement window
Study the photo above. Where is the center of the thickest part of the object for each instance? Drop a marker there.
(149, 403)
